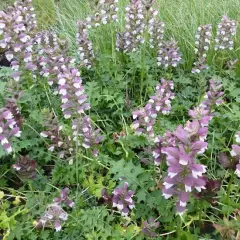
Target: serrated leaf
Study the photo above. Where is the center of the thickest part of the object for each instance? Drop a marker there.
(127, 170)
(141, 195)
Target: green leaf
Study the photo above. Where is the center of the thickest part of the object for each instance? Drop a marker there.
(2, 87)
(141, 195)
(1, 194)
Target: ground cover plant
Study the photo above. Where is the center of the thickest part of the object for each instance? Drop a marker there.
(119, 120)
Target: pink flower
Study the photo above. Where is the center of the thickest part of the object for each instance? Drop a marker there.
(122, 199)
(159, 103)
(17, 26)
(84, 131)
(236, 153)
(202, 42)
(184, 173)
(226, 30)
(85, 47)
(168, 54)
(135, 27)
(105, 11)
(64, 199)
(8, 129)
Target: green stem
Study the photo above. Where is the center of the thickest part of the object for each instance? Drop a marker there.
(142, 73)
(113, 46)
(229, 187)
(94, 160)
(49, 101)
(179, 227)
(123, 147)
(76, 157)
(200, 214)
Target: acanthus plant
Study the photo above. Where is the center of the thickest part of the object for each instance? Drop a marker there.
(51, 56)
(58, 142)
(236, 153)
(8, 129)
(64, 199)
(169, 54)
(85, 46)
(12, 106)
(226, 30)
(17, 24)
(26, 167)
(27, 50)
(122, 199)
(155, 30)
(74, 105)
(149, 228)
(135, 27)
(120, 41)
(72, 93)
(232, 162)
(55, 215)
(105, 11)
(59, 68)
(184, 173)
(145, 117)
(203, 40)
(168, 51)
(141, 24)
(10, 123)
(90, 137)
